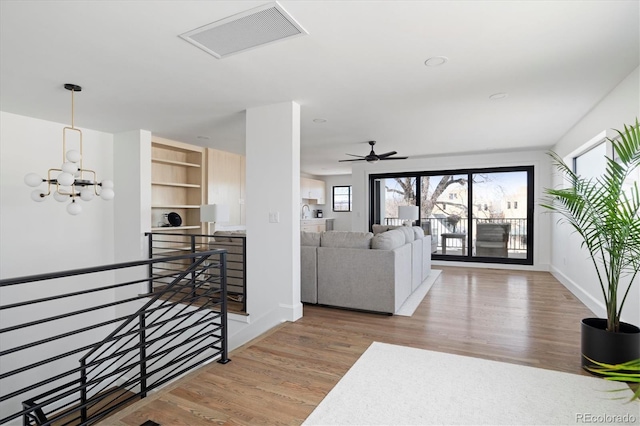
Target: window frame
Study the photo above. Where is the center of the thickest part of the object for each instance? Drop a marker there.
(349, 198)
(529, 213)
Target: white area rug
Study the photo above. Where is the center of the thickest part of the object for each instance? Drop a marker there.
(409, 306)
(397, 385)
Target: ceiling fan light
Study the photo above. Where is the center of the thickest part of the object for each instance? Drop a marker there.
(373, 160)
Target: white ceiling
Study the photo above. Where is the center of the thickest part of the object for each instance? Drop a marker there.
(361, 67)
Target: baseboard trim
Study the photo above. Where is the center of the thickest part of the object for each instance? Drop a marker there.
(596, 306)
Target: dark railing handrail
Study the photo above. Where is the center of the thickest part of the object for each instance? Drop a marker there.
(101, 268)
(151, 301)
(120, 358)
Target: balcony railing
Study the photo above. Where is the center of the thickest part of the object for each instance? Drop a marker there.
(437, 226)
(76, 347)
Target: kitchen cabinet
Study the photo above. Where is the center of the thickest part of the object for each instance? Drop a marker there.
(226, 183)
(313, 225)
(312, 190)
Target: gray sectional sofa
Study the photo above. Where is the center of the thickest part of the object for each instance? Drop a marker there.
(360, 270)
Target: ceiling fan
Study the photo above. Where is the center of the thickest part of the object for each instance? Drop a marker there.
(373, 157)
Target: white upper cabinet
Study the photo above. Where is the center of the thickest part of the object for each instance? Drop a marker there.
(312, 190)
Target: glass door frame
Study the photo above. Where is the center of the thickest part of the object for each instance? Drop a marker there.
(469, 256)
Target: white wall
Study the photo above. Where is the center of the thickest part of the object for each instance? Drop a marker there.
(43, 237)
(538, 159)
(569, 263)
(53, 239)
(273, 249)
(342, 220)
(132, 154)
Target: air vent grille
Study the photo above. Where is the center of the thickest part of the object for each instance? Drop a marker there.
(244, 31)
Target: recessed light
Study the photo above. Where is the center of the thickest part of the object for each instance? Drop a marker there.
(319, 120)
(206, 138)
(436, 61)
(500, 95)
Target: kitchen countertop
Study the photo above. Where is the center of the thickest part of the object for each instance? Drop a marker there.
(317, 219)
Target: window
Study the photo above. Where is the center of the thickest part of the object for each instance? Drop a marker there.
(342, 198)
(471, 214)
(591, 163)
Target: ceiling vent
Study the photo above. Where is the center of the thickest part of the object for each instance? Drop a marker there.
(255, 27)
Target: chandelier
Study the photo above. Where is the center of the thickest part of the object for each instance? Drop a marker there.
(71, 181)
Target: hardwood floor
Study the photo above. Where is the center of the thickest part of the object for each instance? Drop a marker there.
(518, 317)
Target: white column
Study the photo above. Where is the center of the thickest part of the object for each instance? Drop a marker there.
(132, 206)
(273, 217)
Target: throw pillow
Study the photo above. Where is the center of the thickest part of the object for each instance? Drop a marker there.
(311, 239)
(388, 240)
(346, 239)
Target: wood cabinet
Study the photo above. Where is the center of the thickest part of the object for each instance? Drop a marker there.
(227, 182)
(312, 190)
(313, 225)
(177, 184)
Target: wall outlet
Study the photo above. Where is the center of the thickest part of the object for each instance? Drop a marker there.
(274, 217)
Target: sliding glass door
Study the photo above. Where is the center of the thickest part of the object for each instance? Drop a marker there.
(500, 206)
(480, 215)
(444, 211)
(392, 193)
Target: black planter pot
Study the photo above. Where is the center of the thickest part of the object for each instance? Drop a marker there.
(607, 347)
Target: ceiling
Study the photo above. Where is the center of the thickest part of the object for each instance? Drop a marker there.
(361, 68)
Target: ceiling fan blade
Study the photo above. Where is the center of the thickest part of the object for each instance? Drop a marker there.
(387, 154)
(353, 155)
(394, 158)
(355, 159)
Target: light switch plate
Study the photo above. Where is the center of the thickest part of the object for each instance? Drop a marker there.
(274, 217)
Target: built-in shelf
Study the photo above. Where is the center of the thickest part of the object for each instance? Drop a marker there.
(174, 228)
(176, 206)
(178, 184)
(175, 163)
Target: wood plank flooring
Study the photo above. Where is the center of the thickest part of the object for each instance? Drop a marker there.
(519, 317)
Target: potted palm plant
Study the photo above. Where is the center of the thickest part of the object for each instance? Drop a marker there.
(605, 212)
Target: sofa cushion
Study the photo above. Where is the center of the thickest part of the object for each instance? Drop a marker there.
(418, 232)
(310, 239)
(388, 240)
(346, 239)
(408, 233)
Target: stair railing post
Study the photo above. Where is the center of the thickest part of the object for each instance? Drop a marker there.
(83, 391)
(193, 274)
(143, 355)
(223, 308)
(150, 267)
(244, 274)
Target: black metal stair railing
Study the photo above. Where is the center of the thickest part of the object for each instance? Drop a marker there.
(164, 244)
(70, 358)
